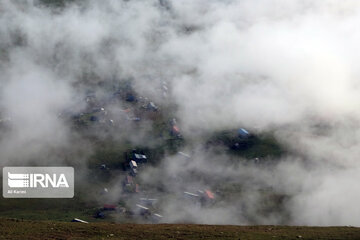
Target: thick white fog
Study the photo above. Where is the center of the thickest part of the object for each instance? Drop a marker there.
(289, 67)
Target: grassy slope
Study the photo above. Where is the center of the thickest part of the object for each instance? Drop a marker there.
(17, 229)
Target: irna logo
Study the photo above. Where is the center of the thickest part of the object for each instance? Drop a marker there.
(16, 180)
(38, 182)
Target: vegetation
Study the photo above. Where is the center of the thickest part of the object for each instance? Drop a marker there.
(18, 229)
(263, 145)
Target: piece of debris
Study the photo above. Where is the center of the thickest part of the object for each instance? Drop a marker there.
(109, 207)
(133, 167)
(209, 194)
(152, 107)
(207, 197)
(105, 191)
(142, 210)
(79, 220)
(130, 97)
(175, 130)
(128, 181)
(94, 119)
(135, 119)
(103, 167)
(148, 201)
(156, 217)
(100, 110)
(243, 133)
(100, 215)
(138, 156)
(191, 195)
(187, 156)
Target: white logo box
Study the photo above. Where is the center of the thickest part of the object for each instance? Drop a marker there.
(38, 182)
